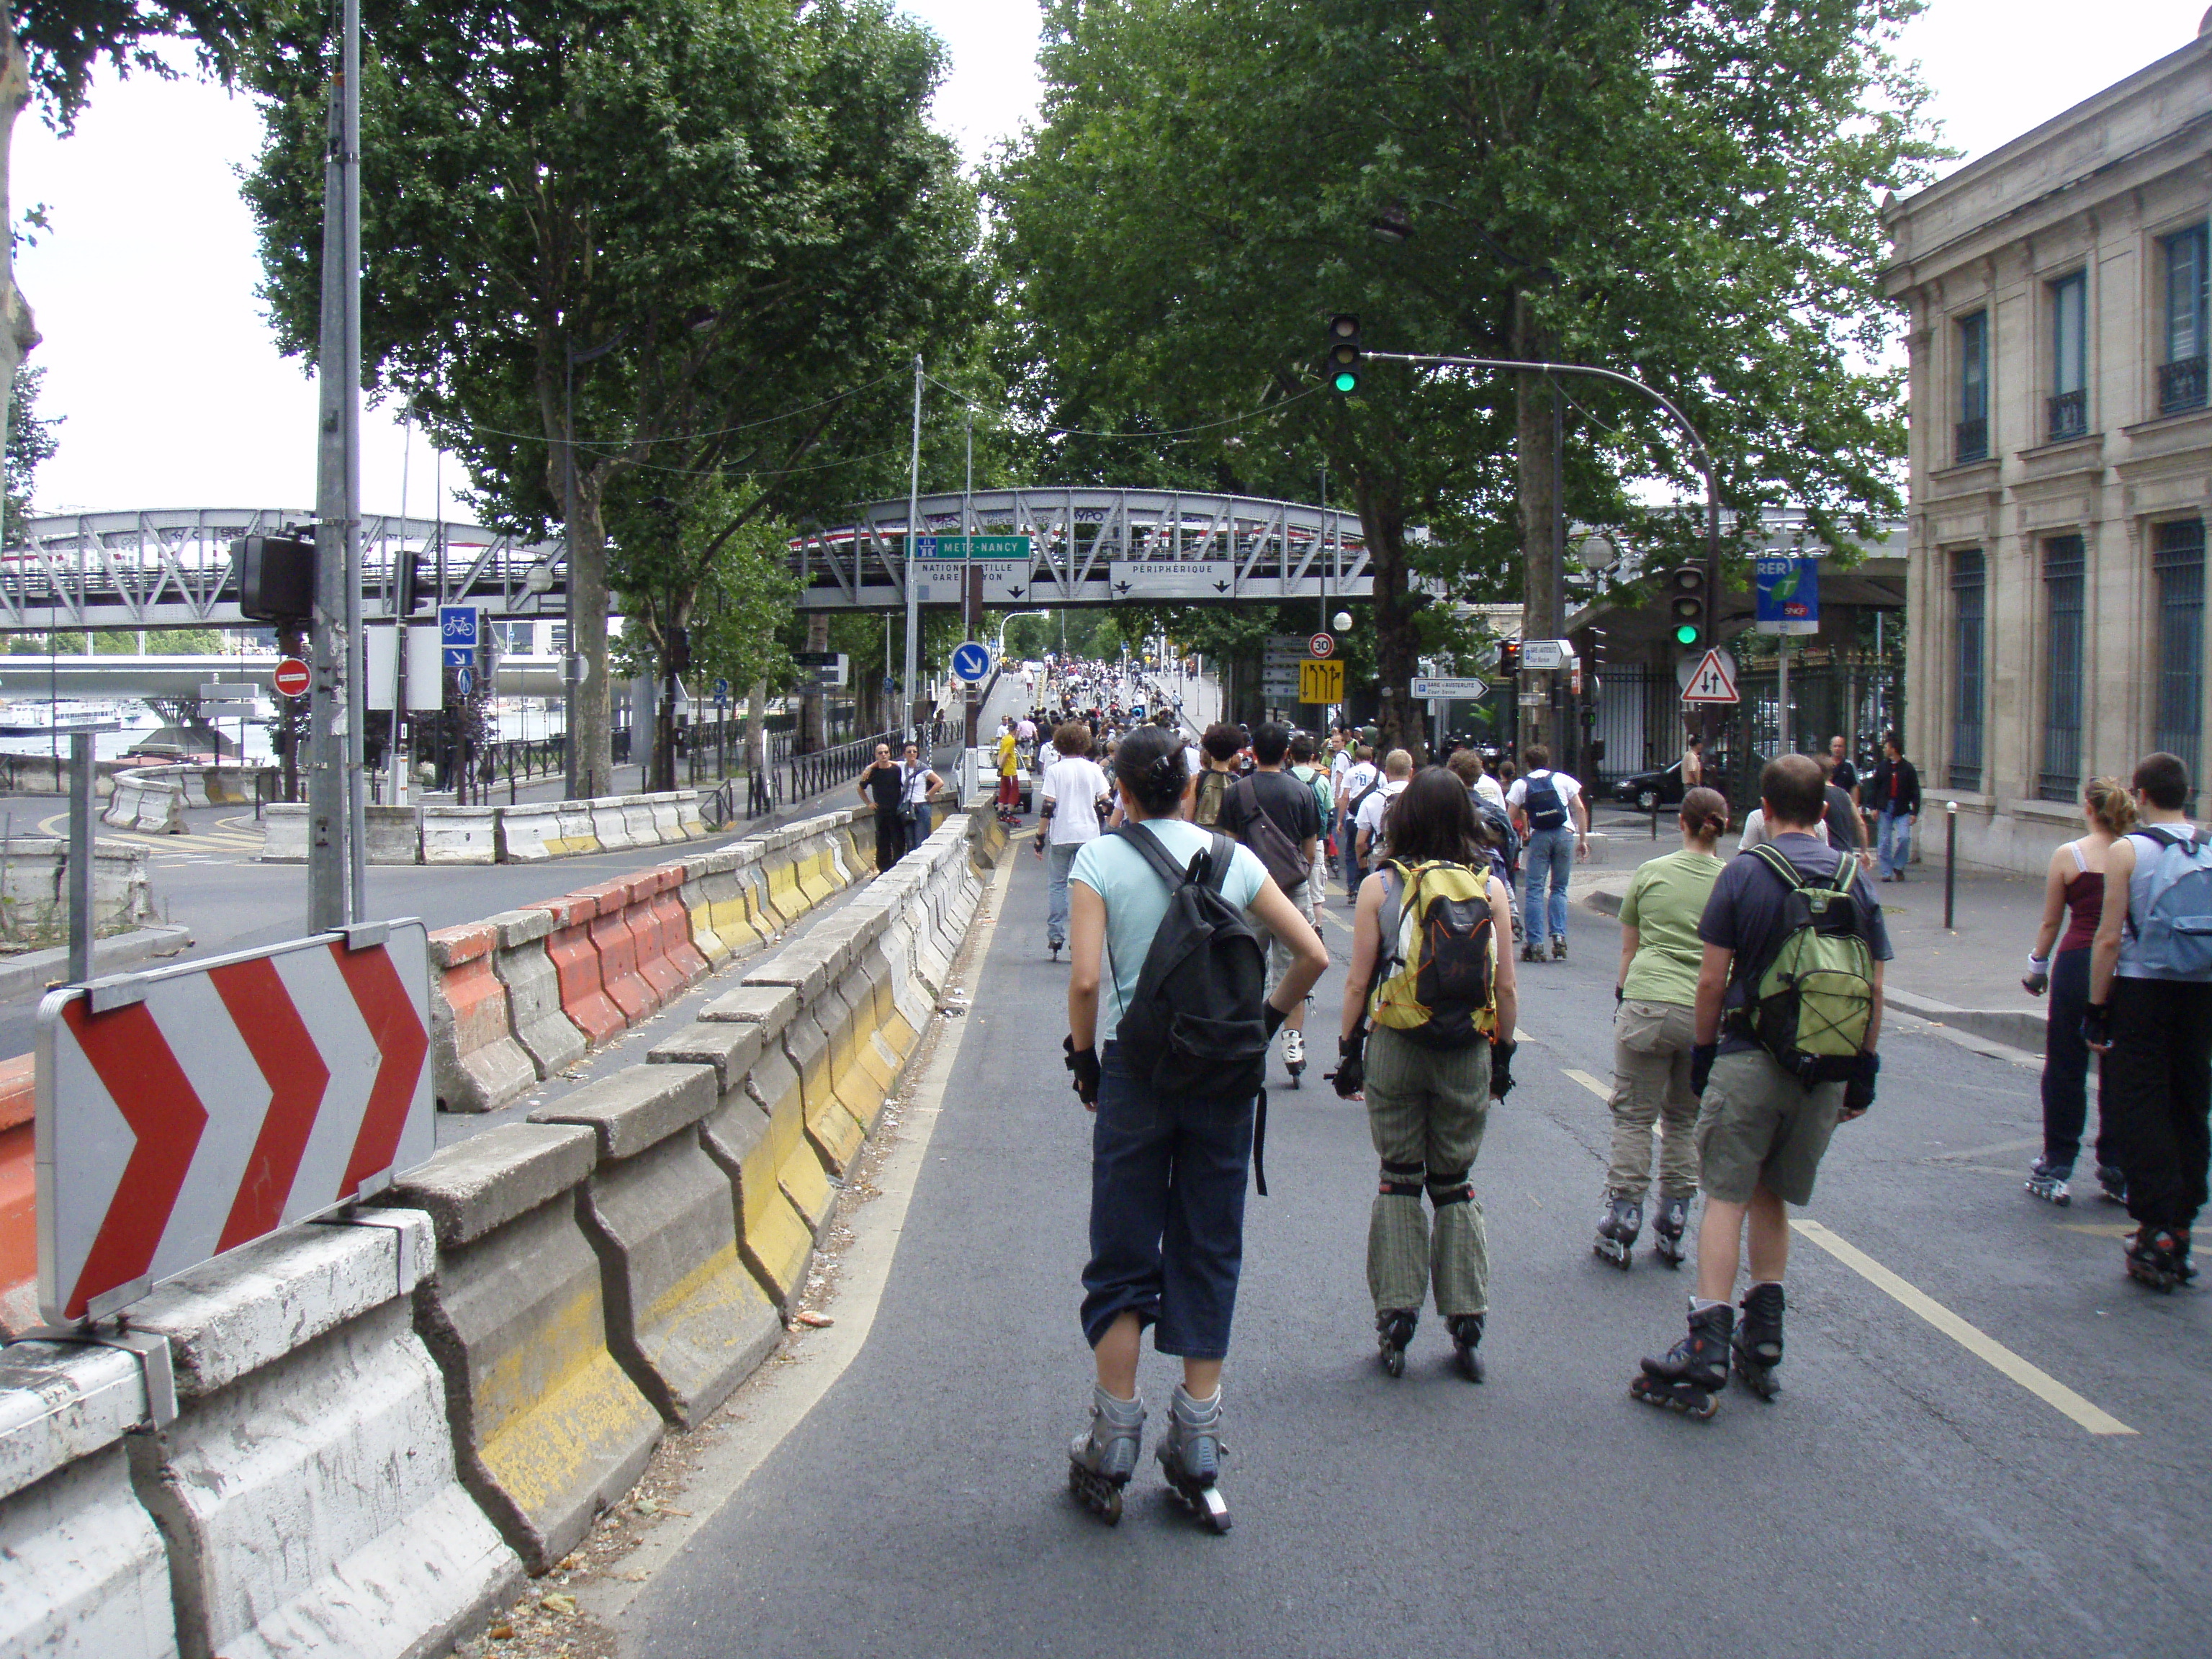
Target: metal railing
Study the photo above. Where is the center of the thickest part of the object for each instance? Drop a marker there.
(1971, 441)
(2069, 416)
(2181, 385)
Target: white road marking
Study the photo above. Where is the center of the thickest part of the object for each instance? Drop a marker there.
(1591, 1083)
(2040, 1383)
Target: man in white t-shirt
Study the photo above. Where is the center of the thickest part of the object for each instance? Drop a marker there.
(1074, 792)
(1368, 841)
(1554, 819)
(1359, 776)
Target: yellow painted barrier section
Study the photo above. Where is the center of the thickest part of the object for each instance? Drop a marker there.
(728, 920)
(546, 1411)
(857, 857)
(829, 1126)
(797, 1165)
(709, 944)
(784, 896)
(814, 878)
(776, 1242)
(703, 1316)
(893, 1025)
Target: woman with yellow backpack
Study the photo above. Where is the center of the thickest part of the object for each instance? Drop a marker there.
(1432, 975)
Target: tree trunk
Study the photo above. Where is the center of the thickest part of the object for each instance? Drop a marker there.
(18, 333)
(588, 584)
(814, 708)
(1397, 641)
(1534, 439)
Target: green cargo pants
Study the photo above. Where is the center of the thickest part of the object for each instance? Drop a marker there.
(1426, 1109)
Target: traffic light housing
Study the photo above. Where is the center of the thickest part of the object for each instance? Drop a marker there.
(418, 584)
(1509, 659)
(1687, 611)
(1344, 355)
(276, 578)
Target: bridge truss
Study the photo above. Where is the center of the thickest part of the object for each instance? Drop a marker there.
(171, 567)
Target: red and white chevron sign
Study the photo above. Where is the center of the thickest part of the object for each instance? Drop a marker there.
(187, 1111)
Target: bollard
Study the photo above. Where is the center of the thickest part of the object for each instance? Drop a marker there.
(1950, 858)
(1655, 815)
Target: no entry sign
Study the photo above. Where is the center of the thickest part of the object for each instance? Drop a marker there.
(187, 1111)
(292, 678)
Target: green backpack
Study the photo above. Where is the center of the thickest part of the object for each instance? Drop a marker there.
(1812, 1003)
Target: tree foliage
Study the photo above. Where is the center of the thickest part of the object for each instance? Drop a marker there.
(725, 220)
(1680, 190)
(31, 443)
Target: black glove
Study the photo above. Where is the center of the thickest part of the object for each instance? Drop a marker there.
(1501, 1067)
(1858, 1088)
(1701, 1066)
(1350, 1076)
(1084, 1063)
(1616, 996)
(1274, 1017)
(2097, 1024)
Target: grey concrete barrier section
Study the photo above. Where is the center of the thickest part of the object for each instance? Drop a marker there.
(394, 835)
(637, 819)
(306, 1489)
(775, 1240)
(460, 835)
(83, 1572)
(773, 1082)
(667, 820)
(685, 1315)
(530, 833)
(549, 1036)
(610, 827)
(283, 833)
(578, 831)
(549, 1429)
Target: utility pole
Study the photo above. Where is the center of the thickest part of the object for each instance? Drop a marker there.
(908, 686)
(336, 804)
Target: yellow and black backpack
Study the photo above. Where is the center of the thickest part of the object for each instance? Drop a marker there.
(1436, 984)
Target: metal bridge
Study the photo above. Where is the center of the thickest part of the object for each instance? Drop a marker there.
(171, 567)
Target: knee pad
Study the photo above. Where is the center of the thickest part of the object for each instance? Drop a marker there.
(1450, 1186)
(1401, 1180)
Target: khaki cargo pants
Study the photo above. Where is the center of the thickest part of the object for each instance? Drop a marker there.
(1651, 1044)
(1426, 1109)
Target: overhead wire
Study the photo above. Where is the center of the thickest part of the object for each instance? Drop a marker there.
(1081, 432)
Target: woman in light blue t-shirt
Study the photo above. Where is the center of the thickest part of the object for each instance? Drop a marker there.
(1167, 1173)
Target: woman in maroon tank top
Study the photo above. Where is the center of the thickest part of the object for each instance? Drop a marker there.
(2073, 899)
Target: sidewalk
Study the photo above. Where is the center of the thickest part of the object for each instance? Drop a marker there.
(1967, 976)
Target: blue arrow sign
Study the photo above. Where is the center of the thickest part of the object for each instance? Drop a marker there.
(460, 656)
(721, 691)
(971, 662)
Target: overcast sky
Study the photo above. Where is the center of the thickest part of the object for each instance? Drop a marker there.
(157, 352)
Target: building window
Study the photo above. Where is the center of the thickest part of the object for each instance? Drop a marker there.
(2181, 376)
(1969, 587)
(2177, 570)
(2063, 565)
(2069, 356)
(1973, 429)
(557, 639)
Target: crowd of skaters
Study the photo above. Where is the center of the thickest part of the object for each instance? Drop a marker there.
(1738, 1125)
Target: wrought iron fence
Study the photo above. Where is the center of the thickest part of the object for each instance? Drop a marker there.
(2181, 385)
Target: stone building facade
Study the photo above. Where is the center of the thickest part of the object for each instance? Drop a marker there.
(2061, 459)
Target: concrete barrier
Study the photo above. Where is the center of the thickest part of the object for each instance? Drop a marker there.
(548, 1430)
(637, 820)
(774, 1237)
(579, 832)
(688, 816)
(677, 945)
(83, 1572)
(611, 825)
(773, 1083)
(19, 1197)
(394, 835)
(617, 944)
(667, 821)
(306, 1489)
(685, 1315)
(461, 834)
(575, 960)
(475, 1063)
(148, 801)
(530, 833)
(647, 926)
(549, 1036)
(283, 833)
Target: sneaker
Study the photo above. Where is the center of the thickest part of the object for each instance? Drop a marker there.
(1558, 949)
(1294, 1047)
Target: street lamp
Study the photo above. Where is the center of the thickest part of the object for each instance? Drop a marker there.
(1343, 622)
(1002, 621)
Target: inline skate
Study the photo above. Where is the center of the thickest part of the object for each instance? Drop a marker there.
(1393, 1334)
(1101, 1460)
(1668, 1224)
(1617, 1228)
(2111, 1183)
(1690, 1376)
(1294, 1054)
(1757, 1348)
(2047, 1180)
(1466, 1337)
(1190, 1456)
(2159, 1257)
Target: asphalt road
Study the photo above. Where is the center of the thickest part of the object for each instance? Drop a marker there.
(1903, 1496)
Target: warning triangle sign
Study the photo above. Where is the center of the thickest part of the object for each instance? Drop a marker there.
(1710, 681)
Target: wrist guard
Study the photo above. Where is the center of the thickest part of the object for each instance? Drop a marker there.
(1701, 1066)
(2097, 1024)
(1858, 1088)
(1501, 1067)
(1083, 1063)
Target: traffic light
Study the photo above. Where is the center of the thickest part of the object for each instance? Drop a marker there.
(1686, 608)
(1344, 354)
(418, 584)
(1509, 660)
(276, 578)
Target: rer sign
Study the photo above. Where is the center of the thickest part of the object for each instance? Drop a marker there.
(1789, 596)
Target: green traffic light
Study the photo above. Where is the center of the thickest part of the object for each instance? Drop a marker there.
(1346, 381)
(1686, 634)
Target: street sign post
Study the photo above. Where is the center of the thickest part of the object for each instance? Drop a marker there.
(971, 662)
(184, 1112)
(1458, 690)
(1320, 682)
(1789, 596)
(292, 678)
(1713, 680)
(1542, 656)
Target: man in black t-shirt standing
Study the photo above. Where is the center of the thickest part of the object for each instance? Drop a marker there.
(1761, 1130)
(884, 785)
(1290, 808)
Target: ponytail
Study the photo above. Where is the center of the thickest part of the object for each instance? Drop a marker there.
(1705, 814)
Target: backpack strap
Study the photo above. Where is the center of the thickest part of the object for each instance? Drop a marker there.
(1768, 855)
(1142, 837)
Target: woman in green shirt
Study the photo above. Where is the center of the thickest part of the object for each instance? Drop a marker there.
(1654, 1029)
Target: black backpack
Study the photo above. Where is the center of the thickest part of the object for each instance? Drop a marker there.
(1195, 1028)
(1548, 811)
(1277, 852)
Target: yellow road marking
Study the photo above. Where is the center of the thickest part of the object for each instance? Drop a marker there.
(2040, 1383)
(1591, 1083)
(2099, 1228)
